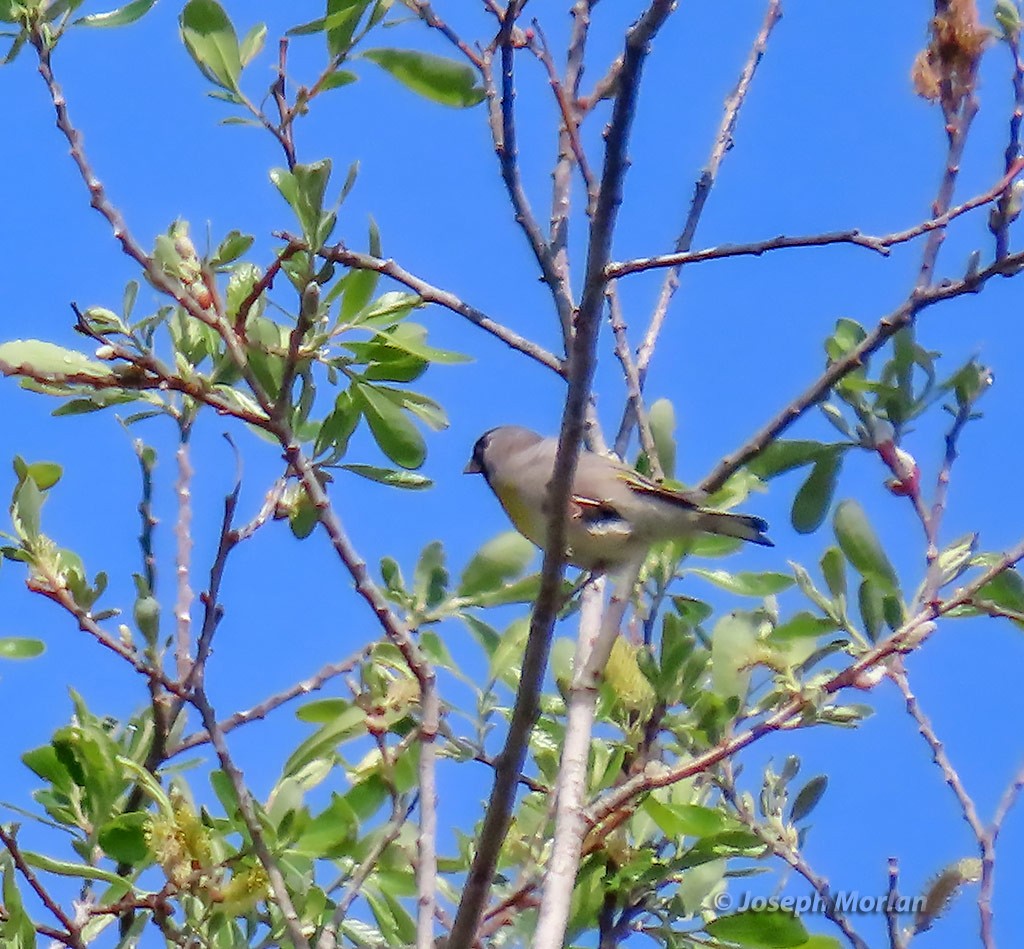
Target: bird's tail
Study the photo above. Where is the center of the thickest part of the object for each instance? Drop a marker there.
(743, 526)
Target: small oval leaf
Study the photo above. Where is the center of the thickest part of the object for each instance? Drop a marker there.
(433, 77)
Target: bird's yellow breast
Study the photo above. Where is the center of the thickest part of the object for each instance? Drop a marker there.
(526, 517)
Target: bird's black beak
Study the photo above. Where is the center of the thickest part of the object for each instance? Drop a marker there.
(473, 467)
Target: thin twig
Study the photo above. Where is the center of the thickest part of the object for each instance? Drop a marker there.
(263, 284)
(426, 13)
(634, 392)
(723, 142)
(183, 557)
(431, 294)
(880, 244)
(788, 853)
(502, 119)
(898, 674)
(892, 921)
(570, 121)
(910, 636)
(278, 887)
(426, 863)
(73, 931)
(212, 610)
(570, 149)
(316, 681)
(387, 835)
(982, 835)
(1002, 218)
(53, 588)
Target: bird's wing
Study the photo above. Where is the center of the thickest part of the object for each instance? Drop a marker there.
(641, 485)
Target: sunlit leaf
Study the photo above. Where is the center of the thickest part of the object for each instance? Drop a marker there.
(501, 559)
(433, 77)
(122, 16)
(759, 930)
(39, 359)
(861, 546)
(210, 37)
(394, 433)
(746, 584)
(389, 476)
(16, 647)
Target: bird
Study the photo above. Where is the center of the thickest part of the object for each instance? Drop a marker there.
(614, 515)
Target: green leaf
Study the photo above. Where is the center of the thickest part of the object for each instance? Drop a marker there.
(69, 868)
(501, 559)
(122, 16)
(685, 820)
(360, 286)
(329, 831)
(389, 476)
(956, 558)
(17, 647)
(861, 546)
(409, 337)
(808, 797)
(340, 24)
(322, 711)
(337, 79)
(337, 428)
(210, 38)
(16, 925)
(430, 578)
(321, 744)
(28, 500)
(870, 601)
(1005, 590)
(124, 838)
(662, 418)
(784, 455)
(396, 436)
(41, 360)
(804, 626)
(304, 188)
(303, 517)
(833, 569)
(252, 43)
(849, 335)
(812, 501)
(759, 930)
(746, 584)
(234, 244)
(433, 77)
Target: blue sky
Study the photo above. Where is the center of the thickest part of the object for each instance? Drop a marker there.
(831, 137)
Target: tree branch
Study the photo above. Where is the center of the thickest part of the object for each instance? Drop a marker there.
(278, 887)
(880, 244)
(73, 932)
(431, 294)
(887, 327)
(581, 370)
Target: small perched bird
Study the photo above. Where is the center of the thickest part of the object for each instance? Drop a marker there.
(615, 514)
